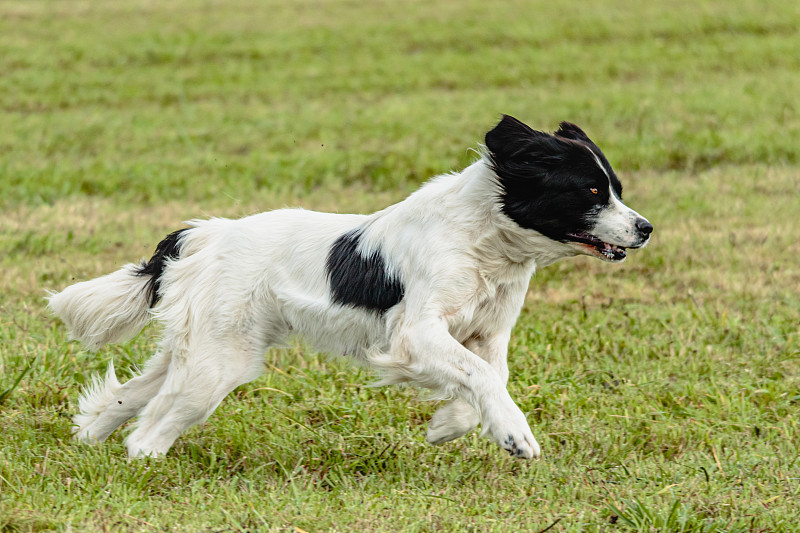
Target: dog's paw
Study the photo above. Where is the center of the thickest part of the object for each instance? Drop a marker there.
(137, 451)
(84, 436)
(451, 422)
(513, 435)
(521, 446)
(83, 430)
(141, 445)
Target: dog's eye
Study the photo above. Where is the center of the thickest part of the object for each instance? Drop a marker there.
(594, 191)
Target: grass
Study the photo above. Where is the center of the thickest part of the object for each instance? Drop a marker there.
(665, 392)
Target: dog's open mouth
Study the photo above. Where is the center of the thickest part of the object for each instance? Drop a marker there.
(596, 247)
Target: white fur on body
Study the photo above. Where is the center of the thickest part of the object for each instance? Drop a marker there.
(240, 286)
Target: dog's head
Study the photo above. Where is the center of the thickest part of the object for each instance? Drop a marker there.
(562, 186)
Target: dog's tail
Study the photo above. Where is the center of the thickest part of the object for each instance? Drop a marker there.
(115, 307)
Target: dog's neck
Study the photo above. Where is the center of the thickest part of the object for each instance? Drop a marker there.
(502, 241)
(469, 201)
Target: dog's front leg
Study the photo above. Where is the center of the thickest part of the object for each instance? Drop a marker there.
(435, 360)
(457, 418)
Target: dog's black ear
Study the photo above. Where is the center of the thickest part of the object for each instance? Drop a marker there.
(568, 130)
(510, 136)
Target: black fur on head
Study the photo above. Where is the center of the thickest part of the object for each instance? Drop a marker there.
(548, 179)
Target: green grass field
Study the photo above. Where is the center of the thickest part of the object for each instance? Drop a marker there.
(665, 392)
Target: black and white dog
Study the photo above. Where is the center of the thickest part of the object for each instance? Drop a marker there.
(425, 291)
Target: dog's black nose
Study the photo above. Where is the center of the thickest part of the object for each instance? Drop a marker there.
(644, 227)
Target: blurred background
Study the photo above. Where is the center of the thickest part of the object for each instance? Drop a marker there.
(145, 100)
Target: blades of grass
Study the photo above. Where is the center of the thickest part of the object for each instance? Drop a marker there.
(7, 393)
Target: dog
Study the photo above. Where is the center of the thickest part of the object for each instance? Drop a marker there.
(426, 291)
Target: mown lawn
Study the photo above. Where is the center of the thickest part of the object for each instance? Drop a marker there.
(665, 392)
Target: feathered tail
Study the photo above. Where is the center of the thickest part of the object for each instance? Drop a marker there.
(111, 308)
(115, 307)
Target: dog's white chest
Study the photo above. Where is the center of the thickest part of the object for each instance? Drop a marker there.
(495, 306)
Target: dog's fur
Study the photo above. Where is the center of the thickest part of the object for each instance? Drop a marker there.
(425, 291)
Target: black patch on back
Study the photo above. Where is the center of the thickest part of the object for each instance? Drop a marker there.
(361, 281)
(168, 248)
(547, 180)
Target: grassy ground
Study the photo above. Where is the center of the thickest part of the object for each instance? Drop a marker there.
(665, 392)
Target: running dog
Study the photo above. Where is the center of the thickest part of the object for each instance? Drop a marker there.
(425, 291)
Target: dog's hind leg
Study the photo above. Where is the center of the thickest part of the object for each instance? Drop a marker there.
(194, 386)
(106, 405)
(458, 418)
